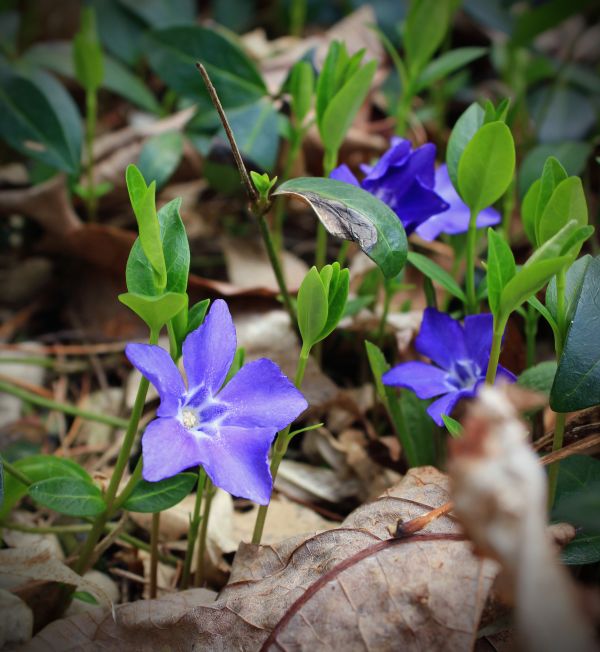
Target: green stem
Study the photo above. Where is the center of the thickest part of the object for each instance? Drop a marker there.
(387, 299)
(329, 163)
(531, 328)
(279, 449)
(130, 486)
(90, 130)
(490, 376)
(559, 426)
(343, 252)
(209, 493)
(471, 305)
(193, 533)
(154, 532)
(16, 474)
(402, 112)
(279, 216)
(87, 552)
(67, 408)
(297, 17)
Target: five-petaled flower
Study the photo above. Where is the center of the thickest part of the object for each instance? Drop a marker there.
(228, 430)
(456, 219)
(461, 354)
(403, 179)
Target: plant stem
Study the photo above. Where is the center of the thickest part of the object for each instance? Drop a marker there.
(154, 553)
(531, 328)
(343, 252)
(87, 552)
(193, 533)
(387, 299)
(279, 217)
(279, 449)
(209, 493)
(490, 376)
(329, 163)
(16, 474)
(67, 408)
(559, 426)
(403, 112)
(130, 486)
(90, 130)
(297, 17)
(471, 305)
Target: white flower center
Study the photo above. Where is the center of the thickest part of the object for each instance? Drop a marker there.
(189, 418)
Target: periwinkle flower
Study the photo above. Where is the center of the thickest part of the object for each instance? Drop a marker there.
(456, 219)
(460, 356)
(228, 430)
(403, 178)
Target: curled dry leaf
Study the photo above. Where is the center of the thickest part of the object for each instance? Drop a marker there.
(342, 588)
(499, 490)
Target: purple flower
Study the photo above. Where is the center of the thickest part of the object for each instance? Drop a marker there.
(228, 430)
(456, 218)
(404, 180)
(461, 354)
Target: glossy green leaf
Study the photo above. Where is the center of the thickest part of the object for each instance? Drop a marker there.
(351, 213)
(197, 314)
(155, 311)
(436, 273)
(301, 87)
(36, 468)
(176, 250)
(553, 174)
(70, 496)
(174, 51)
(574, 282)
(87, 53)
(501, 268)
(423, 31)
(577, 382)
(576, 493)
(446, 64)
(312, 307)
(540, 377)
(40, 120)
(149, 497)
(566, 203)
(464, 130)
(486, 166)
(559, 244)
(528, 210)
(160, 157)
(527, 281)
(336, 58)
(337, 296)
(544, 312)
(343, 107)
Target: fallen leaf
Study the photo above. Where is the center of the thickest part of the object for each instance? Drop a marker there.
(16, 620)
(342, 588)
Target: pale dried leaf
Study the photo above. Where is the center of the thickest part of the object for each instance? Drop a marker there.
(16, 620)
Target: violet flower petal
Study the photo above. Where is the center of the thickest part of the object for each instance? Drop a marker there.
(260, 396)
(478, 338)
(446, 404)
(395, 156)
(441, 338)
(236, 460)
(158, 367)
(343, 173)
(425, 380)
(208, 353)
(504, 375)
(416, 205)
(167, 449)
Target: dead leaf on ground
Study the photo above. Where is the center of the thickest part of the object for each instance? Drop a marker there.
(329, 590)
(16, 620)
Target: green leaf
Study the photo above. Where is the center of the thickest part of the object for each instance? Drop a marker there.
(87, 53)
(40, 120)
(197, 314)
(36, 468)
(174, 51)
(552, 174)
(540, 18)
(301, 87)
(424, 30)
(337, 296)
(446, 64)
(336, 57)
(486, 166)
(160, 157)
(541, 308)
(577, 382)
(566, 203)
(540, 377)
(501, 268)
(343, 107)
(312, 307)
(574, 282)
(436, 273)
(151, 497)
(528, 210)
(527, 281)
(576, 497)
(155, 311)
(176, 251)
(462, 133)
(70, 496)
(351, 213)
(559, 243)
(420, 427)
(453, 426)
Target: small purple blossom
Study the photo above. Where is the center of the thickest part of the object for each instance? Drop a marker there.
(461, 354)
(403, 178)
(456, 219)
(228, 430)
